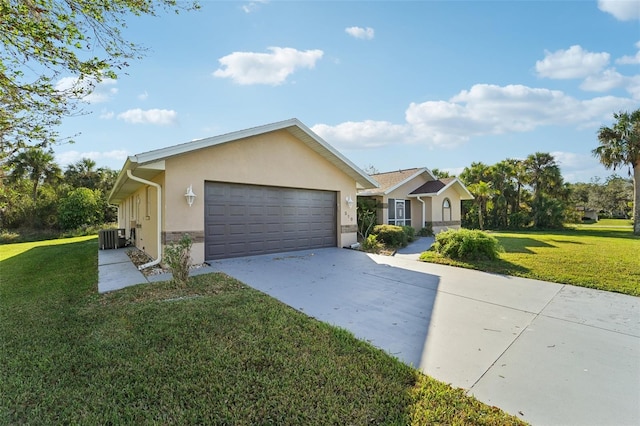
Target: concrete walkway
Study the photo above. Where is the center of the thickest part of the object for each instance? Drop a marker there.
(548, 353)
(116, 271)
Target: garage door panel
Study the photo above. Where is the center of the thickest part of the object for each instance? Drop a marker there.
(242, 220)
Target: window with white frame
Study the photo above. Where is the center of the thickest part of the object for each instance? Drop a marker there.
(446, 210)
(399, 212)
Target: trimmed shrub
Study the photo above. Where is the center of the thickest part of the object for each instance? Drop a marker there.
(427, 231)
(466, 244)
(409, 232)
(177, 257)
(372, 245)
(390, 235)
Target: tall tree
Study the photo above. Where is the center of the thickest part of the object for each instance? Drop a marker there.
(36, 165)
(482, 191)
(503, 176)
(619, 147)
(82, 174)
(545, 179)
(440, 174)
(46, 40)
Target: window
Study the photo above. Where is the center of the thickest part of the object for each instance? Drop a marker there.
(399, 212)
(446, 210)
(146, 210)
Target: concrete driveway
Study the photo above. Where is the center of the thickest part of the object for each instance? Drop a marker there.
(547, 353)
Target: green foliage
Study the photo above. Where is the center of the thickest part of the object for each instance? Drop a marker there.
(371, 244)
(548, 213)
(410, 232)
(79, 207)
(519, 220)
(465, 244)
(177, 256)
(391, 236)
(427, 230)
(367, 216)
(44, 40)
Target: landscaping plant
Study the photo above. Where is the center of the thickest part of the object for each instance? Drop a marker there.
(177, 256)
(391, 236)
(366, 217)
(372, 245)
(466, 244)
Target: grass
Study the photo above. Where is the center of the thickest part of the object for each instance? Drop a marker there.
(215, 352)
(604, 255)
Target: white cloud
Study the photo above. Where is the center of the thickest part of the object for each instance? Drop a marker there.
(571, 63)
(482, 110)
(577, 167)
(88, 89)
(107, 115)
(70, 157)
(363, 134)
(266, 68)
(607, 80)
(633, 86)
(359, 32)
(161, 117)
(253, 6)
(143, 96)
(623, 10)
(630, 60)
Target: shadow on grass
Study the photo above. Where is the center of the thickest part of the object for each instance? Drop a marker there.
(601, 233)
(498, 266)
(520, 244)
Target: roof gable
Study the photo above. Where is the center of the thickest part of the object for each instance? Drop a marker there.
(437, 187)
(389, 181)
(154, 160)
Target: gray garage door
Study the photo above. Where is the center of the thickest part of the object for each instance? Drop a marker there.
(245, 220)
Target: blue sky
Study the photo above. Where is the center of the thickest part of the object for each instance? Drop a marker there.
(394, 85)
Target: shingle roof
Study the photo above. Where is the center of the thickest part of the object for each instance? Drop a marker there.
(433, 186)
(389, 180)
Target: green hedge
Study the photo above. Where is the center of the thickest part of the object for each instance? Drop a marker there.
(391, 236)
(465, 244)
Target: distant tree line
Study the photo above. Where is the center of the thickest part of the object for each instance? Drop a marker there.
(37, 194)
(516, 194)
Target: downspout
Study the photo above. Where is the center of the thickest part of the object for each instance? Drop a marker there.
(159, 188)
(423, 211)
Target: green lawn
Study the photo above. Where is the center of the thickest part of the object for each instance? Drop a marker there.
(215, 352)
(603, 255)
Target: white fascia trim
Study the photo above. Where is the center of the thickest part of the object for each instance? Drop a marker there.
(120, 179)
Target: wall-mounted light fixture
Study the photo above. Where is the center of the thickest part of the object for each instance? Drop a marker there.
(190, 196)
(349, 201)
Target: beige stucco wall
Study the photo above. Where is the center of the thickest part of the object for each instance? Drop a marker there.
(274, 159)
(432, 207)
(141, 208)
(436, 216)
(401, 193)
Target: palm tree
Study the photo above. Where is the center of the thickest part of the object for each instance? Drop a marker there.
(36, 165)
(545, 179)
(482, 191)
(82, 174)
(620, 146)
